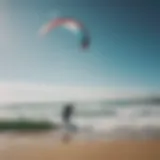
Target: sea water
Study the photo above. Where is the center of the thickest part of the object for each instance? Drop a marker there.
(97, 117)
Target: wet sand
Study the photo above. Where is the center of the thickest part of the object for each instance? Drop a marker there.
(45, 147)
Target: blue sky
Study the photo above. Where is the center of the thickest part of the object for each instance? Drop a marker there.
(124, 51)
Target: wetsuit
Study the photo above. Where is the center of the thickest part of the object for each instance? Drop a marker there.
(67, 113)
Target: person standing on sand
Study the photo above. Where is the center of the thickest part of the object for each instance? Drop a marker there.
(67, 113)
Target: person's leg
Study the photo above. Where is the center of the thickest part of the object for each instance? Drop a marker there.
(67, 137)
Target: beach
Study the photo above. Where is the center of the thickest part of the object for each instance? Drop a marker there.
(42, 146)
(108, 133)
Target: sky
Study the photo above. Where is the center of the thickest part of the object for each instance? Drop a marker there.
(123, 58)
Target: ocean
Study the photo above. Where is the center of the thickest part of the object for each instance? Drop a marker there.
(97, 117)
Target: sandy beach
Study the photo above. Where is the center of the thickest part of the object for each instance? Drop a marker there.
(43, 147)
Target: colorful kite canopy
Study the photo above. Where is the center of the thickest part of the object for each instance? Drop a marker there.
(72, 25)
